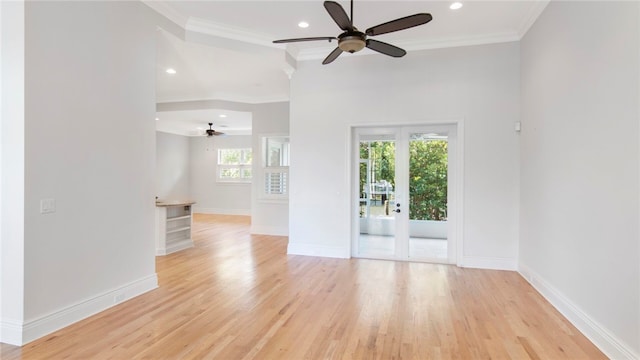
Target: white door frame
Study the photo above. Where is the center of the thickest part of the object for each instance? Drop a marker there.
(456, 194)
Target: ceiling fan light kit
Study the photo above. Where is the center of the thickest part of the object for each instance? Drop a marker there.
(352, 40)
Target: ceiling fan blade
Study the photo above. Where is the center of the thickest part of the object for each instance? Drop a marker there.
(399, 24)
(385, 48)
(334, 55)
(329, 38)
(211, 133)
(338, 15)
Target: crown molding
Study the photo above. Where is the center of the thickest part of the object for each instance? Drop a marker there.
(207, 27)
(532, 16)
(251, 100)
(167, 11)
(225, 31)
(417, 45)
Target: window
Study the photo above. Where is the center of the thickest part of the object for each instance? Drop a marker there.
(276, 167)
(234, 165)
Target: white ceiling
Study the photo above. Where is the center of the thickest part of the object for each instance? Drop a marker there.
(195, 122)
(254, 70)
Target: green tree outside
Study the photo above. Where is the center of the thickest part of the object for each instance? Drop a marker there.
(427, 174)
(428, 180)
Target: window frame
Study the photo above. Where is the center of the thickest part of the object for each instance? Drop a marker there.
(242, 166)
(266, 169)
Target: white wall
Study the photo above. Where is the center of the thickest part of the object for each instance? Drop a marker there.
(12, 122)
(211, 196)
(172, 166)
(90, 145)
(268, 217)
(477, 85)
(579, 167)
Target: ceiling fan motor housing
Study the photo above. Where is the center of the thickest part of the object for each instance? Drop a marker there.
(352, 41)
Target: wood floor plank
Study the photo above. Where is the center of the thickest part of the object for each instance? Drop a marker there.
(240, 296)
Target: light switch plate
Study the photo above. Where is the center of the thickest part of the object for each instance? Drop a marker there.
(47, 206)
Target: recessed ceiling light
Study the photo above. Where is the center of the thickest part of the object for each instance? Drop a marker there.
(303, 24)
(171, 71)
(157, 119)
(223, 115)
(455, 6)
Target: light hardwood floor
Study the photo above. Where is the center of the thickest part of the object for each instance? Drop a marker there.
(238, 296)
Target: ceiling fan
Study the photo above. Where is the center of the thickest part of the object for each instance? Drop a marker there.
(210, 132)
(353, 40)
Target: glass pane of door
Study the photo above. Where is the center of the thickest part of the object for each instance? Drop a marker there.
(428, 179)
(377, 197)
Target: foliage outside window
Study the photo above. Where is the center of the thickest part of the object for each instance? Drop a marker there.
(428, 180)
(276, 166)
(428, 168)
(234, 165)
(383, 155)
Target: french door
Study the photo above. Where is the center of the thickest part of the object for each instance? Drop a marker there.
(402, 192)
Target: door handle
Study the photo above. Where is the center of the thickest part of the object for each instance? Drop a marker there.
(397, 210)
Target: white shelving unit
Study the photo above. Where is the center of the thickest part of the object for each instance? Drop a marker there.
(173, 226)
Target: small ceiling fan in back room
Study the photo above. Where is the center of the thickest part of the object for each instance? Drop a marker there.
(210, 132)
(353, 40)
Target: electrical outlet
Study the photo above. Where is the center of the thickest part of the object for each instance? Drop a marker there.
(47, 206)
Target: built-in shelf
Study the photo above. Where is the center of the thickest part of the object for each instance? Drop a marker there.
(171, 231)
(179, 218)
(173, 226)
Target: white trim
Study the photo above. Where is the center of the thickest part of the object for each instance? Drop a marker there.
(233, 97)
(638, 198)
(208, 27)
(531, 17)
(458, 125)
(41, 326)
(173, 247)
(11, 332)
(234, 182)
(491, 263)
(415, 45)
(12, 167)
(222, 211)
(167, 11)
(604, 339)
(278, 201)
(459, 219)
(318, 250)
(269, 230)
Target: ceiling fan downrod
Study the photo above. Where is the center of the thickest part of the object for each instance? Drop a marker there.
(351, 13)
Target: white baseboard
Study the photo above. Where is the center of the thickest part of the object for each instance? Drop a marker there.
(489, 263)
(318, 250)
(607, 342)
(216, 211)
(184, 244)
(39, 327)
(10, 332)
(269, 230)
